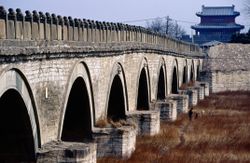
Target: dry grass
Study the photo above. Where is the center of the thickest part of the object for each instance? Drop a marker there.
(184, 86)
(102, 123)
(221, 134)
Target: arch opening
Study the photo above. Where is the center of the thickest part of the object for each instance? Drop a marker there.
(116, 104)
(16, 138)
(198, 72)
(142, 98)
(184, 75)
(161, 86)
(174, 82)
(192, 74)
(77, 120)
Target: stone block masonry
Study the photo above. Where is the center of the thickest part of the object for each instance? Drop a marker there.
(168, 109)
(54, 62)
(206, 87)
(192, 95)
(116, 142)
(58, 152)
(182, 102)
(227, 68)
(146, 122)
(201, 91)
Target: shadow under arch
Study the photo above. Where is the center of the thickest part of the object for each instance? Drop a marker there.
(198, 71)
(185, 70)
(76, 123)
(161, 84)
(175, 81)
(192, 73)
(19, 124)
(117, 101)
(143, 85)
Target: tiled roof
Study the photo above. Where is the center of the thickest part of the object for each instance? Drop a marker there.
(218, 11)
(235, 26)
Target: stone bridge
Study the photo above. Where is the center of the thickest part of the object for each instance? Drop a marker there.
(72, 90)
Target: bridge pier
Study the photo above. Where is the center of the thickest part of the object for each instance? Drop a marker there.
(58, 152)
(192, 95)
(201, 91)
(146, 122)
(181, 100)
(206, 87)
(116, 142)
(168, 109)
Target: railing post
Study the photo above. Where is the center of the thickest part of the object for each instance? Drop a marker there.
(105, 32)
(76, 30)
(54, 28)
(92, 25)
(125, 33)
(81, 27)
(60, 27)
(42, 31)
(19, 24)
(28, 20)
(35, 26)
(71, 28)
(89, 31)
(48, 26)
(65, 28)
(93, 31)
(109, 32)
(3, 23)
(11, 29)
(85, 30)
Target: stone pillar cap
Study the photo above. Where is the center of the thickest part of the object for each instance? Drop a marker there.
(28, 15)
(11, 14)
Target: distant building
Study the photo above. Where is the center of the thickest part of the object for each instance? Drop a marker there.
(217, 24)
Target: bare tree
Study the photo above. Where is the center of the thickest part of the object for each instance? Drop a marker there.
(156, 25)
(247, 7)
(166, 26)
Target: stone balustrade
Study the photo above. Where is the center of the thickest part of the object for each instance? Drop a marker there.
(39, 26)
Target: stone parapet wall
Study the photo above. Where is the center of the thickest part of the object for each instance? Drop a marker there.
(227, 68)
(39, 26)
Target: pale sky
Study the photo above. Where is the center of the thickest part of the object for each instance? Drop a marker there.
(127, 10)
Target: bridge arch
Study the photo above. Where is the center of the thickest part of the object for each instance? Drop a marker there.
(77, 116)
(198, 70)
(19, 124)
(143, 86)
(175, 78)
(185, 73)
(161, 87)
(192, 72)
(117, 101)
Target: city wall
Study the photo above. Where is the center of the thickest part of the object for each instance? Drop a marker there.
(227, 67)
